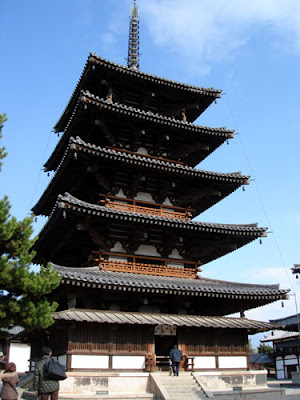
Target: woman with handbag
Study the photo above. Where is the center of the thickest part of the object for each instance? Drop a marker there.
(10, 379)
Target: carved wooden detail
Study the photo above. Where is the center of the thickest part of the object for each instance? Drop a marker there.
(144, 207)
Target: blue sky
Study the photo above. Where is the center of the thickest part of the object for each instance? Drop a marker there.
(249, 49)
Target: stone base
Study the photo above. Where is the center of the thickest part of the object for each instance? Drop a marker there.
(234, 380)
(105, 384)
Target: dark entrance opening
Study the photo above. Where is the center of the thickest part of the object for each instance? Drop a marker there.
(290, 369)
(163, 345)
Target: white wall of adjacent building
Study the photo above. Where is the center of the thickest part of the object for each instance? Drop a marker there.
(283, 364)
(19, 353)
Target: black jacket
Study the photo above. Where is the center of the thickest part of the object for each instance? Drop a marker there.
(40, 381)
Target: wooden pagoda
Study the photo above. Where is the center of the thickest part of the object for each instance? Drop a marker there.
(122, 234)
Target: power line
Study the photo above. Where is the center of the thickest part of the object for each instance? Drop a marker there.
(260, 197)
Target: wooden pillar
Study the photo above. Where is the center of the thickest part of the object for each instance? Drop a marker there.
(69, 361)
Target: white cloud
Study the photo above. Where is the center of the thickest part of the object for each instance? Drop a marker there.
(213, 31)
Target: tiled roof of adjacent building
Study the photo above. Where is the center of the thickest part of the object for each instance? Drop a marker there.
(279, 335)
(290, 323)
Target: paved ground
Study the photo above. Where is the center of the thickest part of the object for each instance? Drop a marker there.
(284, 390)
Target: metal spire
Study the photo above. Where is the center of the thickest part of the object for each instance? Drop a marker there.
(133, 60)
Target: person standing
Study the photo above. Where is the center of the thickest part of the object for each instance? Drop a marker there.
(43, 386)
(10, 379)
(176, 357)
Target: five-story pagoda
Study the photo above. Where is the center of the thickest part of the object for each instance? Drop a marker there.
(121, 229)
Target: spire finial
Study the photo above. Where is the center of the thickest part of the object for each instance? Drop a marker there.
(133, 60)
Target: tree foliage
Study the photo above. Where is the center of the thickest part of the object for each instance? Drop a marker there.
(265, 348)
(2, 149)
(23, 293)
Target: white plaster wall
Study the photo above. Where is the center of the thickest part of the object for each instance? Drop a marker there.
(279, 368)
(175, 254)
(120, 194)
(118, 248)
(204, 362)
(290, 357)
(89, 361)
(280, 374)
(143, 196)
(19, 353)
(62, 360)
(233, 362)
(279, 363)
(128, 362)
(147, 250)
(176, 265)
(116, 258)
(142, 150)
(291, 361)
(167, 202)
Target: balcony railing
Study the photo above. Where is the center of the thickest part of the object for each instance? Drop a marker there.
(146, 265)
(144, 207)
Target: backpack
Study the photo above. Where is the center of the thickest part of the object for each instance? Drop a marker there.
(55, 371)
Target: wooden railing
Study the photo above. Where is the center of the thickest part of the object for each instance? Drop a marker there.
(144, 207)
(146, 265)
(189, 363)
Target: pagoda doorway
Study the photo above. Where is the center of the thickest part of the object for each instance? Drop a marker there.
(163, 345)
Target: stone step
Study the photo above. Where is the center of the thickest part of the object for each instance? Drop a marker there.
(182, 387)
(93, 396)
(187, 396)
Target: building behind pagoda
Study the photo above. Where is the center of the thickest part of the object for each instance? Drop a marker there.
(122, 232)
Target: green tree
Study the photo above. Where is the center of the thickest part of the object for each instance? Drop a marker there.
(250, 346)
(23, 293)
(265, 348)
(2, 149)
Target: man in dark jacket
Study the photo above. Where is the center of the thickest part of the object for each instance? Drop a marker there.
(43, 386)
(176, 357)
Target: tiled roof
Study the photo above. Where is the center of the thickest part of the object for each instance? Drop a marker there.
(118, 317)
(162, 81)
(279, 335)
(290, 320)
(68, 201)
(260, 359)
(89, 98)
(95, 59)
(119, 109)
(201, 286)
(158, 164)
(140, 160)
